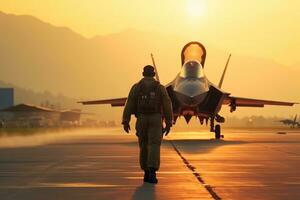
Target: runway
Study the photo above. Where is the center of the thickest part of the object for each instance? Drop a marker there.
(103, 164)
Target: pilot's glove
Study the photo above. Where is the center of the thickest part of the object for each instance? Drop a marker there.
(167, 129)
(126, 127)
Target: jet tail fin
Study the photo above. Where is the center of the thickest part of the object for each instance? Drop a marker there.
(224, 72)
(154, 65)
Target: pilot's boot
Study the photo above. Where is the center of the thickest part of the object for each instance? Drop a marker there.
(152, 176)
(146, 175)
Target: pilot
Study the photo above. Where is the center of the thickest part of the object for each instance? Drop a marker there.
(150, 103)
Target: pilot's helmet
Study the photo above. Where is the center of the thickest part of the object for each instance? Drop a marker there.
(149, 71)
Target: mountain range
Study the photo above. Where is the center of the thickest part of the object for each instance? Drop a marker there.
(39, 56)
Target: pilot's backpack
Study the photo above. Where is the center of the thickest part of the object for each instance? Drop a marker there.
(148, 98)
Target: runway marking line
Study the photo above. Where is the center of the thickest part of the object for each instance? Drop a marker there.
(197, 175)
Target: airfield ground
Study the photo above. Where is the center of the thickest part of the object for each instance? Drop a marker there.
(103, 164)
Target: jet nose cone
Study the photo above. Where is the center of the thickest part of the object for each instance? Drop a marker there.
(191, 87)
(191, 91)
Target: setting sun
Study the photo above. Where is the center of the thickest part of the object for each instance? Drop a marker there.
(195, 8)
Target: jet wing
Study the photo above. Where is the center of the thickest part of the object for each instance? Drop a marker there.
(112, 102)
(247, 102)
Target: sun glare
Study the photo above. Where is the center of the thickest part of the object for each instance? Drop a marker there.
(195, 8)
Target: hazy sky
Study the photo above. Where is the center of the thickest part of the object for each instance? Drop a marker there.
(268, 28)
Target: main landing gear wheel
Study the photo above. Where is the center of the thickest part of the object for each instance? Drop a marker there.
(218, 132)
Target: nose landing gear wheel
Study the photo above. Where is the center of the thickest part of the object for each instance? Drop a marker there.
(218, 132)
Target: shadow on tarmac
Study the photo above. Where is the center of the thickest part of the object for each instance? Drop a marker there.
(203, 145)
(146, 192)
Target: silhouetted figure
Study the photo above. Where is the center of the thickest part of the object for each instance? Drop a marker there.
(148, 100)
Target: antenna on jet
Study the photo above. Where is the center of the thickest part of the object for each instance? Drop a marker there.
(224, 72)
(154, 65)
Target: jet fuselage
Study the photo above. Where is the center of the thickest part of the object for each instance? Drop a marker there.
(191, 92)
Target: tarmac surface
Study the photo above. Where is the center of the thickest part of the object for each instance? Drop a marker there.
(103, 164)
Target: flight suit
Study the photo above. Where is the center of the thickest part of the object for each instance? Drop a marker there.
(149, 126)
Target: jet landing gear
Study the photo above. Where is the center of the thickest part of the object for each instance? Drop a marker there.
(218, 132)
(216, 129)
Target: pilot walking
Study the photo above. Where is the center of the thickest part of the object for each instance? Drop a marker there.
(150, 103)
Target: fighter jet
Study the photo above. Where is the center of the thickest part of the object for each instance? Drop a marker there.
(192, 94)
(291, 122)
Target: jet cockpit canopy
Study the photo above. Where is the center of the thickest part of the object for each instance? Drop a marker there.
(192, 69)
(193, 51)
